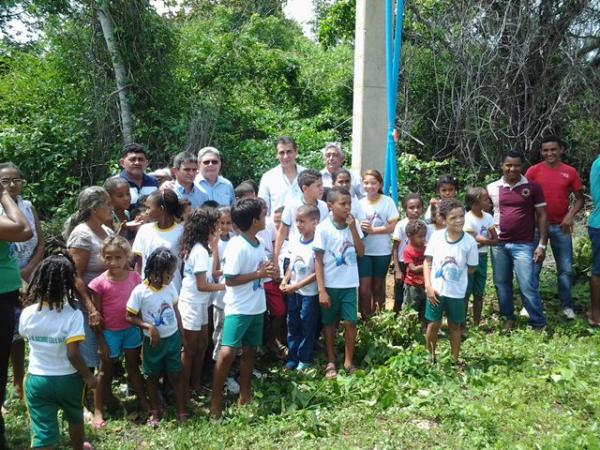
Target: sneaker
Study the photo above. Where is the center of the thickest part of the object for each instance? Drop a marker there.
(524, 313)
(569, 313)
(257, 374)
(302, 366)
(232, 386)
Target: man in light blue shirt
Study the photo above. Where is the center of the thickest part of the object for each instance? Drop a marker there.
(594, 232)
(212, 185)
(185, 168)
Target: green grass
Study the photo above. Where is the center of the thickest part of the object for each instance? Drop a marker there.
(525, 390)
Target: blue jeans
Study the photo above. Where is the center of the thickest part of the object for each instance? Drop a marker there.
(302, 322)
(517, 257)
(562, 250)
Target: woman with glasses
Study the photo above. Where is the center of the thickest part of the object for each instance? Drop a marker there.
(13, 228)
(209, 180)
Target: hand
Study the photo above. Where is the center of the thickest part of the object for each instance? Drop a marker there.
(262, 270)
(91, 381)
(365, 226)
(154, 337)
(290, 289)
(25, 274)
(538, 255)
(283, 287)
(324, 300)
(94, 318)
(103, 351)
(135, 223)
(350, 220)
(432, 296)
(398, 274)
(167, 185)
(566, 226)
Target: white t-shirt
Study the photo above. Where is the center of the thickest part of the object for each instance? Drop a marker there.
(267, 239)
(481, 226)
(218, 297)
(150, 237)
(197, 262)
(275, 187)
(302, 264)
(157, 307)
(449, 263)
(288, 216)
(242, 257)
(49, 332)
(339, 255)
(378, 213)
(400, 235)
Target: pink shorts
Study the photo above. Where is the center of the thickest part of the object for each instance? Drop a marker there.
(275, 299)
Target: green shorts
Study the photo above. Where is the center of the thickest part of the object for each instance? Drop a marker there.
(454, 308)
(166, 357)
(415, 298)
(343, 306)
(243, 330)
(45, 395)
(373, 266)
(478, 278)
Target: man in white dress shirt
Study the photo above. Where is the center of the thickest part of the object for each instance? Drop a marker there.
(333, 158)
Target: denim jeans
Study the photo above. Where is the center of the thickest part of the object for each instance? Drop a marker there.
(517, 257)
(562, 250)
(302, 323)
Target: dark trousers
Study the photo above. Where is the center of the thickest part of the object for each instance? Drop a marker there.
(302, 322)
(8, 303)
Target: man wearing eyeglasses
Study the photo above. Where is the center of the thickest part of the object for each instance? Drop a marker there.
(209, 181)
(134, 162)
(281, 182)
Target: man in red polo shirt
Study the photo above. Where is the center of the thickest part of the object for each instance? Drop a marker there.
(518, 207)
(558, 180)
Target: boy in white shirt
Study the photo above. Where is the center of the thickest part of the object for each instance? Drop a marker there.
(451, 254)
(336, 245)
(300, 285)
(246, 265)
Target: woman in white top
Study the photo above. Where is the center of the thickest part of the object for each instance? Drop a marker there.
(380, 215)
(85, 232)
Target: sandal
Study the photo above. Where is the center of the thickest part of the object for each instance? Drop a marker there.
(593, 324)
(183, 417)
(351, 369)
(330, 371)
(98, 424)
(153, 418)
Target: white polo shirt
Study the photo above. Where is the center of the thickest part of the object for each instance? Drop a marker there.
(275, 187)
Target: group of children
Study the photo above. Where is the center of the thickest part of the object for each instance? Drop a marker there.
(177, 275)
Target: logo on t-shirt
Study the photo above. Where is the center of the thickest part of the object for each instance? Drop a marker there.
(376, 220)
(164, 315)
(346, 255)
(449, 270)
(526, 192)
(483, 231)
(257, 284)
(300, 267)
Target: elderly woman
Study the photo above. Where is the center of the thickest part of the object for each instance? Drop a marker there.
(13, 228)
(208, 180)
(85, 232)
(333, 158)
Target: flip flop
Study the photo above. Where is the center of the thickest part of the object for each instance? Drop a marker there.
(330, 371)
(351, 369)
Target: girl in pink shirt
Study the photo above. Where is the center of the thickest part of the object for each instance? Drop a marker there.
(110, 292)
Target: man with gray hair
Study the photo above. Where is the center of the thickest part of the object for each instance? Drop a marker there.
(209, 181)
(333, 158)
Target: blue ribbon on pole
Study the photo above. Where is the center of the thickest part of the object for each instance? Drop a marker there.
(393, 46)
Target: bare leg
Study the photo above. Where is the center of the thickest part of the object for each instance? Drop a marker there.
(198, 361)
(349, 343)
(105, 376)
(477, 307)
(17, 359)
(187, 358)
(595, 299)
(224, 361)
(379, 293)
(175, 379)
(431, 338)
(455, 338)
(246, 366)
(365, 297)
(152, 383)
(135, 377)
(77, 434)
(329, 333)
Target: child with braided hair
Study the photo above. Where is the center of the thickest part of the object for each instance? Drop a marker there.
(54, 328)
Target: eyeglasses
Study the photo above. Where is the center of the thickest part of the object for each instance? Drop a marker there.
(16, 181)
(214, 162)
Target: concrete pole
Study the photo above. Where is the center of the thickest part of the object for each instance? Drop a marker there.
(369, 119)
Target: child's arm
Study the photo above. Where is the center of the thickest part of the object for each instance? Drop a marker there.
(431, 294)
(38, 254)
(135, 319)
(137, 260)
(493, 237)
(265, 270)
(388, 228)
(205, 286)
(305, 282)
(282, 235)
(395, 260)
(77, 361)
(358, 243)
(414, 268)
(286, 279)
(320, 275)
(216, 268)
(102, 347)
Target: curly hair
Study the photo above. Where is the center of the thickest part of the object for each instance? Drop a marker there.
(159, 262)
(201, 224)
(53, 282)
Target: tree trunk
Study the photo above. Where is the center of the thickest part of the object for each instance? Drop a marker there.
(106, 22)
